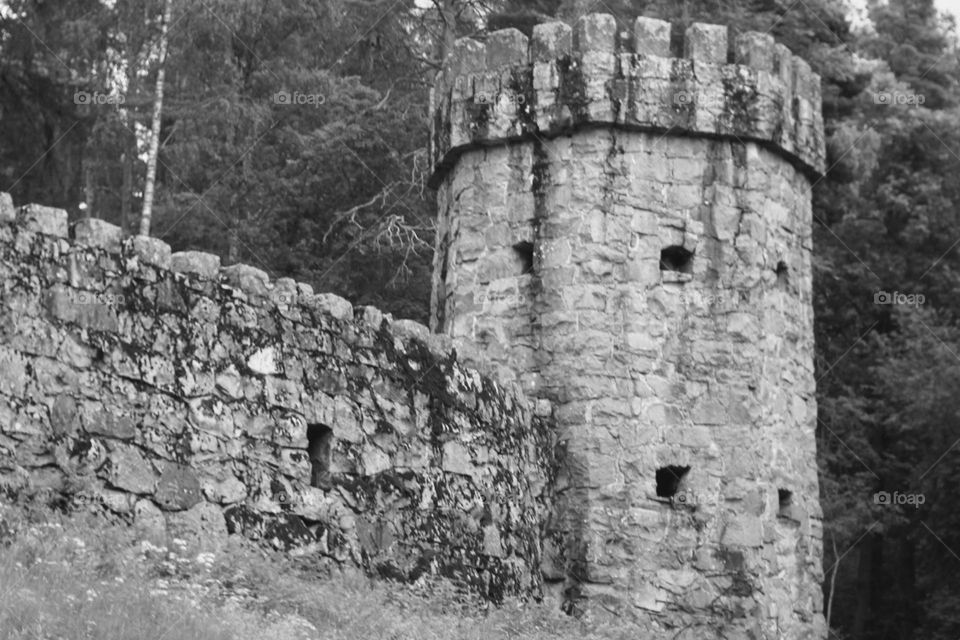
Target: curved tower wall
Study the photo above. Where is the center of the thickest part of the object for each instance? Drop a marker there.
(628, 233)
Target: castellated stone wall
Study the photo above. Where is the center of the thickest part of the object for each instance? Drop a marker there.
(196, 400)
(630, 233)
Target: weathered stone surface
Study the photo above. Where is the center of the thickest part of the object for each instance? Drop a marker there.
(94, 232)
(47, 220)
(205, 265)
(7, 211)
(130, 471)
(64, 416)
(642, 319)
(178, 488)
(151, 251)
(639, 89)
(225, 401)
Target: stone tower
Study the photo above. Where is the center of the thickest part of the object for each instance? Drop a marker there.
(628, 232)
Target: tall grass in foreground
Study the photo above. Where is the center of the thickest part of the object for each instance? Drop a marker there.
(78, 577)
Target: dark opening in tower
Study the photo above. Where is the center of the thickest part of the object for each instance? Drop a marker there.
(676, 258)
(785, 498)
(668, 480)
(524, 254)
(783, 275)
(319, 450)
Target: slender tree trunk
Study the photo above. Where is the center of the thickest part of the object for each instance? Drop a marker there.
(129, 143)
(833, 581)
(148, 190)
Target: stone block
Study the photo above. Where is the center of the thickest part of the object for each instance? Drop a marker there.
(152, 251)
(651, 37)
(331, 304)
(594, 33)
(129, 470)
(94, 232)
(550, 41)
(178, 488)
(246, 278)
(46, 220)
(198, 263)
(706, 43)
(8, 212)
(755, 50)
(506, 48)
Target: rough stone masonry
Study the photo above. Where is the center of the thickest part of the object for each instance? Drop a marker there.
(616, 409)
(629, 232)
(194, 400)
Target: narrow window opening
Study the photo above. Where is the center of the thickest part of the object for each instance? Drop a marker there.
(524, 254)
(319, 450)
(676, 258)
(783, 274)
(668, 480)
(785, 497)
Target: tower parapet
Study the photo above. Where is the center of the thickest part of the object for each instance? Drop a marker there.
(630, 234)
(513, 88)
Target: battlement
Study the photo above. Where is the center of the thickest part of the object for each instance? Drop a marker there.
(247, 283)
(196, 400)
(512, 88)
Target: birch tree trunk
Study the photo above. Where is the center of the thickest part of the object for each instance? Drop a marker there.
(148, 190)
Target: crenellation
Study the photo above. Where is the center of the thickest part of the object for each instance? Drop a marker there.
(250, 280)
(550, 42)
(197, 263)
(706, 43)
(8, 212)
(195, 400)
(46, 220)
(586, 75)
(755, 50)
(651, 37)
(149, 250)
(505, 49)
(94, 232)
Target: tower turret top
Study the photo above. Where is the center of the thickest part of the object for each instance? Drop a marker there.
(514, 88)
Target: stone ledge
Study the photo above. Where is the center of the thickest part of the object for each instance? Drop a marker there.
(147, 250)
(94, 232)
(491, 93)
(198, 263)
(45, 220)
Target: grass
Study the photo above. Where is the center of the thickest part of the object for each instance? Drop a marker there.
(77, 576)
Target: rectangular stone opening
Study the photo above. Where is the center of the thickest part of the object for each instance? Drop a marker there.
(524, 255)
(785, 497)
(320, 451)
(783, 275)
(668, 480)
(677, 259)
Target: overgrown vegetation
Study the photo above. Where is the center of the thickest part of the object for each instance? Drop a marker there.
(74, 577)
